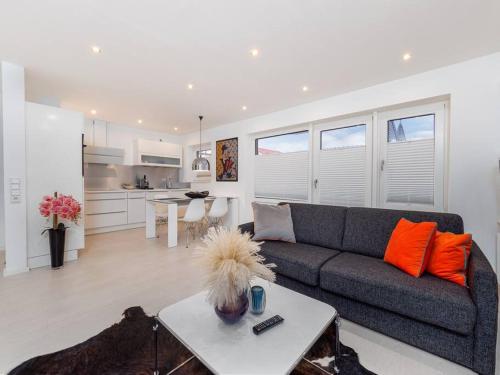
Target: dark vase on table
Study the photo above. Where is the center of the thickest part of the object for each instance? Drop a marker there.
(232, 314)
(57, 239)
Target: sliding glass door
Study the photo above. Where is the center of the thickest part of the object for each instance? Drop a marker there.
(342, 162)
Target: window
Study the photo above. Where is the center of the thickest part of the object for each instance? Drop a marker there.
(350, 136)
(412, 158)
(282, 144)
(204, 154)
(342, 162)
(410, 129)
(389, 159)
(282, 166)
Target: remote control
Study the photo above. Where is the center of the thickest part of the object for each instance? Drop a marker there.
(266, 324)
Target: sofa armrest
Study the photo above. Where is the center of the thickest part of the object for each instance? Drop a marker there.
(247, 227)
(484, 292)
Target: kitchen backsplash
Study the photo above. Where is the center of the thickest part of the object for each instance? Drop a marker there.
(99, 176)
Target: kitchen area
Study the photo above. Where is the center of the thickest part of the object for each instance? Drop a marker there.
(122, 172)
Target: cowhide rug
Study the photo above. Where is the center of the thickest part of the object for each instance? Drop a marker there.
(127, 348)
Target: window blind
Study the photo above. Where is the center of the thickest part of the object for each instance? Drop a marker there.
(342, 176)
(282, 176)
(409, 172)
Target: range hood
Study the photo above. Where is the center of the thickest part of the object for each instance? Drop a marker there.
(103, 155)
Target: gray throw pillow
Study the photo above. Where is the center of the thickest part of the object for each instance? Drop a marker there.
(273, 222)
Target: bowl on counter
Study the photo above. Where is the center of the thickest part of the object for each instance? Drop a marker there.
(196, 194)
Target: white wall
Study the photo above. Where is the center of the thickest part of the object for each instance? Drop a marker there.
(53, 163)
(474, 90)
(2, 208)
(14, 166)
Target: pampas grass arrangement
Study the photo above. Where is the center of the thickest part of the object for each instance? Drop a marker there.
(231, 260)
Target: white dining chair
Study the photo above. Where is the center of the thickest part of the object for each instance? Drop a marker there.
(161, 213)
(217, 212)
(193, 218)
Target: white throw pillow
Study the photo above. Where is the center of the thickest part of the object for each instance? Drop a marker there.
(273, 222)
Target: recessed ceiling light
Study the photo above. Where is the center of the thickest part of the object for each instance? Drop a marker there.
(139, 121)
(93, 112)
(305, 88)
(176, 129)
(254, 52)
(52, 117)
(96, 49)
(244, 108)
(406, 56)
(190, 86)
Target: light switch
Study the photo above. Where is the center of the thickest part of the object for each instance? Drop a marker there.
(15, 190)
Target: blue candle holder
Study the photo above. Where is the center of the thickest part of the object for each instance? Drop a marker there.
(257, 299)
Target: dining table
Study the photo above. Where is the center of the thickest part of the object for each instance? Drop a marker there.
(230, 220)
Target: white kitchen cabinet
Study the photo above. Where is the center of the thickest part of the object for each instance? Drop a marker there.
(158, 154)
(88, 132)
(89, 196)
(136, 210)
(105, 220)
(100, 133)
(105, 206)
(95, 133)
(107, 211)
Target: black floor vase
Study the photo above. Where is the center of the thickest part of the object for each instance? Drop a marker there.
(56, 241)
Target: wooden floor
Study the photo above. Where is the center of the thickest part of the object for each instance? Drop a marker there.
(46, 310)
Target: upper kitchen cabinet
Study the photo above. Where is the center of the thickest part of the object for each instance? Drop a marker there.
(95, 133)
(157, 154)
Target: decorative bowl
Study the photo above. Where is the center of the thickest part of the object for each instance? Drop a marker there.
(196, 194)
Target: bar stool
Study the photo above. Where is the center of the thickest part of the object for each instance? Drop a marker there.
(217, 212)
(194, 216)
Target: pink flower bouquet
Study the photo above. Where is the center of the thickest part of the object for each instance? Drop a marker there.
(61, 207)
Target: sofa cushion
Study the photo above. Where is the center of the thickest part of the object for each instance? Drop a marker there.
(367, 230)
(427, 299)
(318, 224)
(298, 261)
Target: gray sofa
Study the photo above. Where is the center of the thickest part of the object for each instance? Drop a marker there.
(338, 258)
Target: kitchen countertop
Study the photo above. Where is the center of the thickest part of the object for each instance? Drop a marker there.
(131, 190)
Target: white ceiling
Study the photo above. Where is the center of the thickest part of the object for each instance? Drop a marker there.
(153, 48)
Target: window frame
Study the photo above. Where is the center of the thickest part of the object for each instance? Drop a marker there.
(339, 123)
(299, 128)
(197, 153)
(338, 128)
(409, 117)
(373, 144)
(256, 141)
(441, 139)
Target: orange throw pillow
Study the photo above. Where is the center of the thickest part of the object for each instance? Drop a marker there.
(449, 256)
(410, 246)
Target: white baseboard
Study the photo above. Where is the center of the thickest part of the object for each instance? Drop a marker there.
(10, 272)
(114, 228)
(44, 260)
